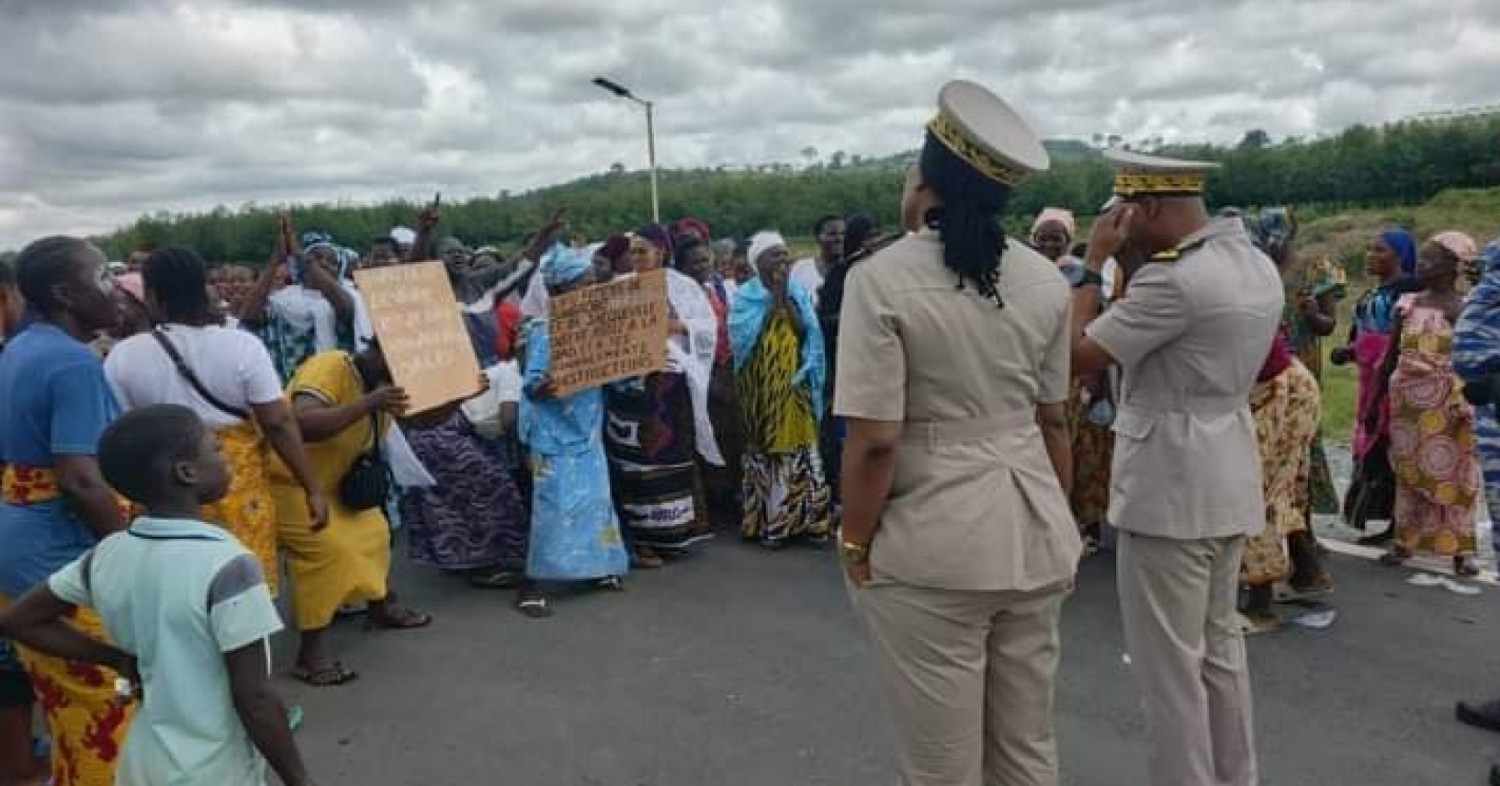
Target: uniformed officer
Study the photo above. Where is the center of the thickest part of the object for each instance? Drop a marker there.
(1190, 334)
(957, 537)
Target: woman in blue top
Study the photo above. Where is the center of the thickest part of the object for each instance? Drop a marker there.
(54, 404)
(575, 534)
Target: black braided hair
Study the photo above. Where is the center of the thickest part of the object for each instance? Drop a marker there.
(43, 265)
(968, 221)
(176, 277)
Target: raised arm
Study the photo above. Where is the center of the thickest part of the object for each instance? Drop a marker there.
(253, 310)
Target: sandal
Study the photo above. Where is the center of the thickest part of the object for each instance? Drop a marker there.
(1395, 556)
(534, 607)
(645, 559)
(330, 676)
(612, 584)
(399, 618)
(1305, 590)
(1254, 624)
(499, 579)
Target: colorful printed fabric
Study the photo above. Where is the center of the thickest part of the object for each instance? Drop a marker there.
(574, 532)
(87, 724)
(785, 492)
(785, 496)
(1093, 450)
(649, 438)
(749, 319)
(1287, 409)
(475, 517)
(247, 511)
(1432, 438)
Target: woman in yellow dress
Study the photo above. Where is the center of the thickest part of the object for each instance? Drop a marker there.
(342, 401)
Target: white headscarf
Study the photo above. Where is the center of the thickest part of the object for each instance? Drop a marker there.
(763, 242)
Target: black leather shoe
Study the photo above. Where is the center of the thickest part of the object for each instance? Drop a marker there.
(1495, 775)
(1483, 716)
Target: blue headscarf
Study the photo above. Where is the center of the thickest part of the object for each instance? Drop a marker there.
(1272, 230)
(747, 319)
(563, 265)
(1405, 245)
(1476, 336)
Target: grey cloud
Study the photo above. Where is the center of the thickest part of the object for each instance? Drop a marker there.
(133, 106)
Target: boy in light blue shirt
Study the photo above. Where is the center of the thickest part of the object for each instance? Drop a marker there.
(187, 606)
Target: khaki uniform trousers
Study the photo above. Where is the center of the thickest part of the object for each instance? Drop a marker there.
(1177, 598)
(968, 677)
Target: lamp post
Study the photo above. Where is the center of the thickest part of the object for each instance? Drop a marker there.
(624, 92)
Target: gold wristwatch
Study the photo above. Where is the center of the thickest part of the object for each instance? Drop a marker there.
(854, 553)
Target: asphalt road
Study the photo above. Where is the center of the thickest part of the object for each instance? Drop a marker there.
(741, 667)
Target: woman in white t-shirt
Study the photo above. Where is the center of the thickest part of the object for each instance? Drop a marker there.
(227, 377)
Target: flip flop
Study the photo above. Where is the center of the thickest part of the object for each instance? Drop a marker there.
(535, 608)
(329, 676)
(500, 579)
(408, 620)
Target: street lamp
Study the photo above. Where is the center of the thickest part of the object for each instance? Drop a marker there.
(624, 92)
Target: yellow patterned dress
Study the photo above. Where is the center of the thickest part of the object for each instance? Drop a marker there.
(786, 495)
(1287, 409)
(247, 510)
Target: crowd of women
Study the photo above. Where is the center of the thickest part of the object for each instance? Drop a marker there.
(519, 487)
(1424, 423)
(525, 488)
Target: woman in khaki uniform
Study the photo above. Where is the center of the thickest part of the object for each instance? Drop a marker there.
(957, 537)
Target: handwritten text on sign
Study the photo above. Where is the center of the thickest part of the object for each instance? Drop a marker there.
(421, 333)
(607, 332)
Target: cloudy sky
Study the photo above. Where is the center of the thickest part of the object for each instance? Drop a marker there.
(116, 107)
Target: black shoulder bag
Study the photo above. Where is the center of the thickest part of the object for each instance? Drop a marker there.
(192, 379)
(368, 482)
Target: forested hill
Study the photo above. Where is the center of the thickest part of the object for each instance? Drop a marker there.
(1403, 163)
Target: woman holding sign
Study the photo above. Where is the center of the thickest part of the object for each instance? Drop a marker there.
(779, 368)
(657, 422)
(343, 403)
(575, 535)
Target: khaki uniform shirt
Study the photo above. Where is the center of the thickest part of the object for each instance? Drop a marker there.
(1190, 335)
(975, 504)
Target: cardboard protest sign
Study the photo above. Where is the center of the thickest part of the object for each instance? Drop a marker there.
(607, 332)
(421, 333)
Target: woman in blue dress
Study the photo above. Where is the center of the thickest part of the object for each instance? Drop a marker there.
(575, 534)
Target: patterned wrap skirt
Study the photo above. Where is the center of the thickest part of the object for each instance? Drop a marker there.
(1287, 410)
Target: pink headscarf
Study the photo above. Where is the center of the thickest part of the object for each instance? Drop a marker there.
(1056, 215)
(132, 283)
(1459, 245)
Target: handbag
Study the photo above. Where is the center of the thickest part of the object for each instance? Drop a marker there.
(367, 484)
(160, 335)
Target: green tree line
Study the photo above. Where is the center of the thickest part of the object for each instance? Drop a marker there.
(1401, 163)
